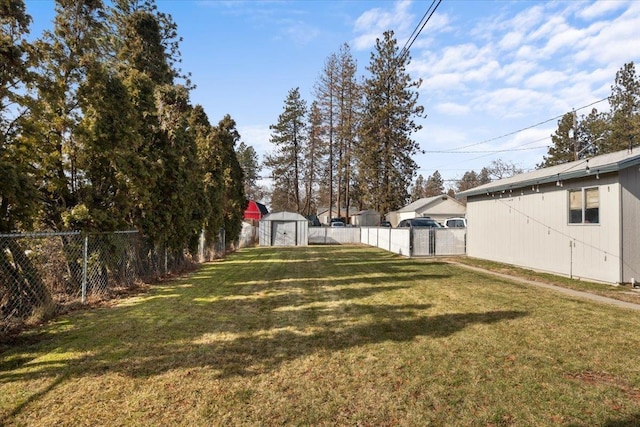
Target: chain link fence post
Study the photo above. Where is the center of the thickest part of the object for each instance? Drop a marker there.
(85, 250)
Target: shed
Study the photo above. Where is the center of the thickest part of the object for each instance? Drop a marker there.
(578, 219)
(436, 207)
(368, 218)
(283, 229)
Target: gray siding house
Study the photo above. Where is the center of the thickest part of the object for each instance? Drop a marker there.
(580, 219)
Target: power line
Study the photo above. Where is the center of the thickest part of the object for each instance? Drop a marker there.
(416, 32)
(526, 128)
(485, 151)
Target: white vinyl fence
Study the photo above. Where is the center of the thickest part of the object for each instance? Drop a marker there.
(416, 242)
(334, 235)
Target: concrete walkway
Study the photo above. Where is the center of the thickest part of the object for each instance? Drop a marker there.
(571, 292)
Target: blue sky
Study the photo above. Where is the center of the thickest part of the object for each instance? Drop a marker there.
(489, 68)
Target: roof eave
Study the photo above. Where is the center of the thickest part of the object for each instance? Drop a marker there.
(563, 176)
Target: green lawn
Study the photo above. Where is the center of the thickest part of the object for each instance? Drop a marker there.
(329, 335)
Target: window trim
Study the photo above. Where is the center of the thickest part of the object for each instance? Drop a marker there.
(582, 191)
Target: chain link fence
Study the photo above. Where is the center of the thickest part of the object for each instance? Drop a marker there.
(42, 274)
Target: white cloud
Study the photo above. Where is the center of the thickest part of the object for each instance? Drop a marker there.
(613, 40)
(515, 72)
(546, 80)
(374, 22)
(505, 103)
(452, 108)
(600, 8)
(511, 40)
(447, 82)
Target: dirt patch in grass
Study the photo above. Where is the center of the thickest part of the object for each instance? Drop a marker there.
(606, 379)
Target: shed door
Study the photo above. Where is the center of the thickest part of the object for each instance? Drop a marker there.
(283, 233)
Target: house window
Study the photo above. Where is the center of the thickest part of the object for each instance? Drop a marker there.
(584, 206)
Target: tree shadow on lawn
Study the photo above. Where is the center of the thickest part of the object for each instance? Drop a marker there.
(254, 347)
(238, 330)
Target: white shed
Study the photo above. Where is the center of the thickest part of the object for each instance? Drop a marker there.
(578, 219)
(368, 218)
(284, 229)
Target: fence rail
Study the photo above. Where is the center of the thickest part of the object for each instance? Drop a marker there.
(44, 273)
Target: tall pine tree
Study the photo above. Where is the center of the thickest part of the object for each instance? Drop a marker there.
(434, 185)
(386, 149)
(289, 137)
(625, 109)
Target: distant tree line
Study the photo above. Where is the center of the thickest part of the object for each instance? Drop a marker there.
(352, 146)
(97, 131)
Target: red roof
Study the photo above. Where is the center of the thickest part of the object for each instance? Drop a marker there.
(255, 210)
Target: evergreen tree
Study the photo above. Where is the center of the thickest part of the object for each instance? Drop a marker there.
(338, 99)
(146, 45)
(418, 190)
(472, 179)
(234, 201)
(593, 134)
(385, 149)
(17, 192)
(177, 192)
(22, 289)
(289, 138)
(250, 165)
(434, 185)
(348, 107)
(312, 159)
(326, 93)
(68, 54)
(625, 109)
(210, 164)
(105, 156)
(563, 148)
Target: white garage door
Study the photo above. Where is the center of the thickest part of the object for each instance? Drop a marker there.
(283, 233)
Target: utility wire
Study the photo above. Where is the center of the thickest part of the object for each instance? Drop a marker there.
(525, 128)
(518, 148)
(416, 29)
(416, 32)
(485, 151)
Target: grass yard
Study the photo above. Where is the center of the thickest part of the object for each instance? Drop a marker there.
(329, 335)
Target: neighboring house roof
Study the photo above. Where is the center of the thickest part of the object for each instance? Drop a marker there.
(366, 212)
(605, 163)
(420, 204)
(334, 210)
